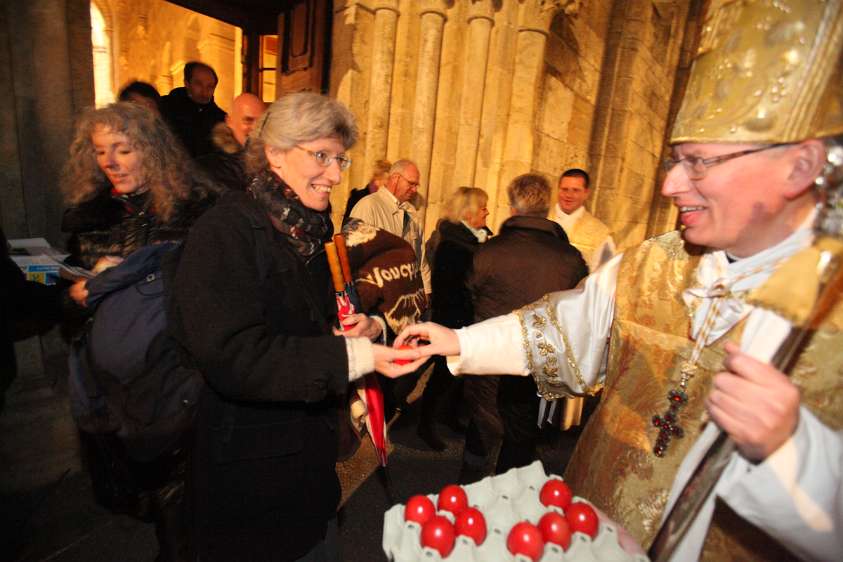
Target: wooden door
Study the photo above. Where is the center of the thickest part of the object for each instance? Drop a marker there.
(304, 31)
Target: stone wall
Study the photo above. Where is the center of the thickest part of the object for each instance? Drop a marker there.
(479, 91)
(152, 40)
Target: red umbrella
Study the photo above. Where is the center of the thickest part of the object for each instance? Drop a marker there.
(346, 306)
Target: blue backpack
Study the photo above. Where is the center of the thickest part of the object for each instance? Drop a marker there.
(128, 375)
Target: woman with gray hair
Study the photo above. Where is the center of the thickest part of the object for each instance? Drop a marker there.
(452, 246)
(254, 307)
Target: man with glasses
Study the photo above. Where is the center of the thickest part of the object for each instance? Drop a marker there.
(390, 208)
(680, 332)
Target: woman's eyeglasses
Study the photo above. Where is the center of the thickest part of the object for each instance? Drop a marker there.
(324, 159)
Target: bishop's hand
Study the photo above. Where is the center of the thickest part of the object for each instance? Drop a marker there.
(441, 340)
(755, 403)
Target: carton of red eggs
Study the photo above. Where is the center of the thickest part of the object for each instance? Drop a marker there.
(523, 515)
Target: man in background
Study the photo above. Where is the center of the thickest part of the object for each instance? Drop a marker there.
(225, 164)
(389, 208)
(529, 246)
(191, 111)
(586, 232)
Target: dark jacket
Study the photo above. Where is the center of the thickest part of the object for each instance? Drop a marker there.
(353, 198)
(531, 256)
(264, 480)
(225, 165)
(453, 250)
(117, 225)
(191, 122)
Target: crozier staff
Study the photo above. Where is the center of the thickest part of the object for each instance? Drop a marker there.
(256, 303)
(742, 175)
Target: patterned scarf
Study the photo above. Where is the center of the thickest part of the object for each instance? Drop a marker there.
(306, 229)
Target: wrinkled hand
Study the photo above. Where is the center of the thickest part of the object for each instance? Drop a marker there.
(79, 292)
(106, 262)
(625, 540)
(443, 341)
(385, 357)
(359, 326)
(756, 404)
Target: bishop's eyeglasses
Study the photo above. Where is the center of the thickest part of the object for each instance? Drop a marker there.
(697, 167)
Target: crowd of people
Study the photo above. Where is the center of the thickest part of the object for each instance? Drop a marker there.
(659, 348)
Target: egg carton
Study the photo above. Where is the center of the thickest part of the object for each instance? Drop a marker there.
(504, 500)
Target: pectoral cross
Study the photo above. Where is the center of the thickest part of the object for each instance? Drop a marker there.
(668, 424)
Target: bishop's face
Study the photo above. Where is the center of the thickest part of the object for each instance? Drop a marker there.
(740, 205)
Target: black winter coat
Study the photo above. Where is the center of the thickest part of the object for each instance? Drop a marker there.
(453, 246)
(191, 122)
(264, 482)
(117, 225)
(225, 165)
(530, 257)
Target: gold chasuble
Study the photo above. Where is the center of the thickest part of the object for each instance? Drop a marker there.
(588, 234)
(614, 464)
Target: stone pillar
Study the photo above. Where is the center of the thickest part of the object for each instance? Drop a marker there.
(350, 83)
(480, 21)
(40, 108)
(632, 116)
(380, 84)
(432, 17)
(534, 19)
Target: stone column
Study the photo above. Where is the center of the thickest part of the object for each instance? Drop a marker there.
(380, 84)
(432, 17)
(480, 21)
(534, 19)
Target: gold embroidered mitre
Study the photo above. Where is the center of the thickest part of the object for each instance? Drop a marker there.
(766, 71)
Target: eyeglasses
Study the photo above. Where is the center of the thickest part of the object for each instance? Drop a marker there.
(413, 184)
(697, 167)
(324, 159)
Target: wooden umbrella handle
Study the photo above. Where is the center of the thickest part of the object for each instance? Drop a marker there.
(342, 252)
(334, 264)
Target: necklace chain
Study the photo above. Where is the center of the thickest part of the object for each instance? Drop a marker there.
(677, 397)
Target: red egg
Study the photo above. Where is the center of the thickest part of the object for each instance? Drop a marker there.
(471, 523)
(403, 361)
(438, 533)
(582, 519)
(554, 528)
(452, 498)
(556, 492)
(525, 538)
(419, 509)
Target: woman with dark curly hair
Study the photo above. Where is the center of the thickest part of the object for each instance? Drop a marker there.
(255, 305)
(130, 184)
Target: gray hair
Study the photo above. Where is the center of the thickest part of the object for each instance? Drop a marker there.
(400, 165)
(295, 119)
(529, 194)
(464, 199)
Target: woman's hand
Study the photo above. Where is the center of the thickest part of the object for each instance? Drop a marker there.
(106, 262)
(79, 292)
(359, 326)
(756, 404)
(385, 360)
(443, 341)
